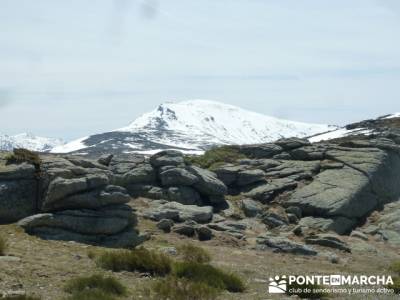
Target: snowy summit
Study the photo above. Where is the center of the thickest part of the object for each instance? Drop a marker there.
(192, 127)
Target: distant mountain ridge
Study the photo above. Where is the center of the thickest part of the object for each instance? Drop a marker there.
(191, 126)
(28, 141)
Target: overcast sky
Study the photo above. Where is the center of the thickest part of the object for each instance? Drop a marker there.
(76, 67)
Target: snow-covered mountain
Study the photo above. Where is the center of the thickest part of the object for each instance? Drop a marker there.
(28, 141)
(366, 127)
(191, 126)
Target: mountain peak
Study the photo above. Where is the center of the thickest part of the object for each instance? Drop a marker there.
(28, 141)
(193, 126)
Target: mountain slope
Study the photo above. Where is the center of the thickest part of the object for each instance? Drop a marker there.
(363, 128)
(28, 141)
(192, 126)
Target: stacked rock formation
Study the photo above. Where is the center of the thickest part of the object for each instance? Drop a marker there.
(69, 198)
(165, 175)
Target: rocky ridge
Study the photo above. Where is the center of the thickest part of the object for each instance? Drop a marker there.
(288, 196)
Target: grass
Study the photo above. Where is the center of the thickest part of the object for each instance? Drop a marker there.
(395, 267)
(92, 294)
(396, 285)
(23, 155)
(3, 246)
(192, 253)
(182, 289)
(216, 157)
(94, 287)
(209, 275)
(24, 297)
(299, 290)
(141, 260)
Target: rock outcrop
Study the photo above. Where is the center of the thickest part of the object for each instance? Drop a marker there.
(19, 190)
(67, 198)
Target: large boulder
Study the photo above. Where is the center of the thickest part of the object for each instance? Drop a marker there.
(110, 195)
(167, 158)
(177, 177)
(248, 177)
(340, 225)
(18, 192)
(260, 150)
(284, 245)
(179, 212)
(266, 192)
(184, 195)
(107, 221)
(208, 184)
(61, 188)
(141, 174)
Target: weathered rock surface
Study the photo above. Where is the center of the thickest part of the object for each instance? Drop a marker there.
(250, 207)
(179, 212)
(282, 244)
(328, 240)
(18, 191)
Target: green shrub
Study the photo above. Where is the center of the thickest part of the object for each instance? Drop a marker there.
(396, 285)
(92, 294)
(216, 156)
(192, 253)
(173, 288)
(3, 246)
(20, 298)
(395, 267)
(298, 289)
(20, 155)
(141, 260)
(209, 275)
(98, 283)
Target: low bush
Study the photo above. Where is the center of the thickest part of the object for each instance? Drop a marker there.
(99, 283)
(300, 290)
(182, 289)
(20, 155)
(396, 285)
(216, 156)
(91, 295)
(192, 253)
(21, 297)
(209, 275)
(395, 267)
(141, 260)
(3, 246)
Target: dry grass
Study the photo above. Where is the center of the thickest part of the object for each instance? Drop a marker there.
(139, 260)
(192, 253)
(182, 289)
(216, 157)
(3, 246)
(209, 275)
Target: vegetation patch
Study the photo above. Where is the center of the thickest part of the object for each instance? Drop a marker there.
(192, 253)
(20, 297)
(140, 260)
(396, 285)
(175, 288)
(3, 246)
(92, 294)
(209, 275)
(306, 291)
(216, 157)
(94, 287)
(21, 155)
(395, 267)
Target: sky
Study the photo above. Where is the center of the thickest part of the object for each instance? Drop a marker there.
(72, 68)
